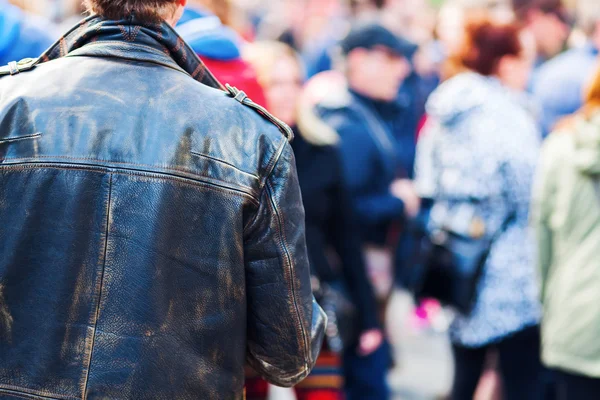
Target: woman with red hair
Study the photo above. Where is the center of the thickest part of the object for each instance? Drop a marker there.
(476, 162)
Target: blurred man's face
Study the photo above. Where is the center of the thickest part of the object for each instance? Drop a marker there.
(515, 72)
(300, 12)
(550, 32)
(377, 73)
(596, 35)
(283, 89)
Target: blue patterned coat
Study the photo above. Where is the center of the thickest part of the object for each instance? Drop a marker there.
(482, 146)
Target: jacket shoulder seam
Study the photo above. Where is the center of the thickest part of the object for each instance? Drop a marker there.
(179, 180)
(268, 171)
(123, 165)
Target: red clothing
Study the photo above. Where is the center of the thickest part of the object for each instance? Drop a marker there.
(239, 74)
(324, 383)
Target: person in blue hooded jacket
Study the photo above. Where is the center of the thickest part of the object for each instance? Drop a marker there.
(22, 35)
(560, 84)
(219, 47)
(365, 115)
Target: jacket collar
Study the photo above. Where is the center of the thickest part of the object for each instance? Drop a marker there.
(130, 39)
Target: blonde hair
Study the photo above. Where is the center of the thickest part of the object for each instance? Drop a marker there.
(263, 57)
(221, 8)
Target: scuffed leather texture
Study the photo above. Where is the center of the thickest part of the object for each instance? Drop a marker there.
(151, 234)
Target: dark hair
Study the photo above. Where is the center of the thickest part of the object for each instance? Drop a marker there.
(144, 10)
(522, 7)
(355, 4)
(485, 43)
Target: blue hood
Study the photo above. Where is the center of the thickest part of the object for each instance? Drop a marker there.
(467, 92)
(207, 36)
(22, 35)
(459, 96)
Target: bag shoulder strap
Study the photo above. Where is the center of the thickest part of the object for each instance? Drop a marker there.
(378, 132)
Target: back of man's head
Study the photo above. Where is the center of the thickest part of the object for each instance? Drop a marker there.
(144, 10)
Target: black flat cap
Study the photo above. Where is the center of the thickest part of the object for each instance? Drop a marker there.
(374, 35)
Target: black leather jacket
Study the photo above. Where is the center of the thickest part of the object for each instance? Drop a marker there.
(151, 227)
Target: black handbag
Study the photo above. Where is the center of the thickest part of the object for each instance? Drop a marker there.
(342, 329)
(447, 266)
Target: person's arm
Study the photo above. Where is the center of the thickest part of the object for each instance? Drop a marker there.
(285, 324)
(360, 169)
(375, 209)
(541, 210)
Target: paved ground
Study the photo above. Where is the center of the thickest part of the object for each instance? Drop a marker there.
(425, 371)
(424, 357)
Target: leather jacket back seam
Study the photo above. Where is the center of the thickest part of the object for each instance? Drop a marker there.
(100, 286)
(123, 166)
(32, 394)
(225, 163)
(122, 171)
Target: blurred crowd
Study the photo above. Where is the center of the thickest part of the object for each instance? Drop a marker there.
(413, 114)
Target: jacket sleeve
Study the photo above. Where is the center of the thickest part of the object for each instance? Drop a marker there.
(542, 205)
(357, 150)
(375, 209)
(285, 325)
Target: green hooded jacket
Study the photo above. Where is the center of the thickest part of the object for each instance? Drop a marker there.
(566, 213)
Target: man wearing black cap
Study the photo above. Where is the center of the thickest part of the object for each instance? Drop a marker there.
(386, 56)
(377, 63)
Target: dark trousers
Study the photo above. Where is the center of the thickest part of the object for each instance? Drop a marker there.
(576, 387)
(365, 377)
(519, 366)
